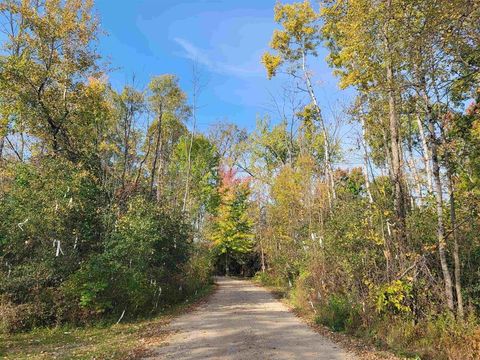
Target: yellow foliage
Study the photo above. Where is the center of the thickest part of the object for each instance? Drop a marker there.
(394, 295)
(299, 36)
(297, 19)
(271, 63)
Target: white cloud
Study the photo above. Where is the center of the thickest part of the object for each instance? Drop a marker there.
(193, 53)
(196, 54)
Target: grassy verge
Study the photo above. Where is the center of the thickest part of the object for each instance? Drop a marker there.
(130, 340)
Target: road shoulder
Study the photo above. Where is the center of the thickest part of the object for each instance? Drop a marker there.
(355, 346)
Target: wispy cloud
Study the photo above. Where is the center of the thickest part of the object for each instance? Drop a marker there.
(200, 56)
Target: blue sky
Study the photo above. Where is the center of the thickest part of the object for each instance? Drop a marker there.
(226, 37)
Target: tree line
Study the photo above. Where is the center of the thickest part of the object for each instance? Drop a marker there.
(395, 239)
(105, 194)
(113, 203)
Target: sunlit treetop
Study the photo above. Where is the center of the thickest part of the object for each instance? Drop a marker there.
(298, 37)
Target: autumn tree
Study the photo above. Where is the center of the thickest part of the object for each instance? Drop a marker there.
(298, 40)
(47, 61)
(197, 159)
(166, 99)
(422, 47)
(364, 41)
(128, 106)
(84, 234)
(231, 231)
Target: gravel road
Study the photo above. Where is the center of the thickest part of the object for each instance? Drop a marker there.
(243, 321)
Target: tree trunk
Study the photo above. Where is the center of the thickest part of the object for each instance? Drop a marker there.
(396, 162)
(157, 155)
(154, 165)
(160, 173)
(227, 270)
(416, 180)
(326, 142)
(366, 160)
(2, 145)
(437, 185)
(456, 257)
(397, 175)
(189, 157)
(126, 139)
(426, 154)
(145, 157)
(432, 151)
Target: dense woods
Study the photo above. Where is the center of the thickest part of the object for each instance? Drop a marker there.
(113, 205)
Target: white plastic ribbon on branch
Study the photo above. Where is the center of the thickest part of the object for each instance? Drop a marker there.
(56, 243)
(20, 225)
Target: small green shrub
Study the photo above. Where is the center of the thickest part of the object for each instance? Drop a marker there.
(394, 297)
(301, 295)
(267, 279)
(338, 314)
(198, 271)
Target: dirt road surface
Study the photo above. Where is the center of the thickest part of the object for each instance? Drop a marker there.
(244, 321)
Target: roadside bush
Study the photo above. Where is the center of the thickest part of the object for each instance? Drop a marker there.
(339, 314)
(303, 294)
(268, 279)
(51, 223)
(67, 255)
(16, 317)
(394, 297)
(141, 265)
(198, 270)
(437, 337)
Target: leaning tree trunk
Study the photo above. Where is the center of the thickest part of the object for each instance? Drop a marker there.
(126, 149)
(160, 173)
(153, 171)
(157, 153)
